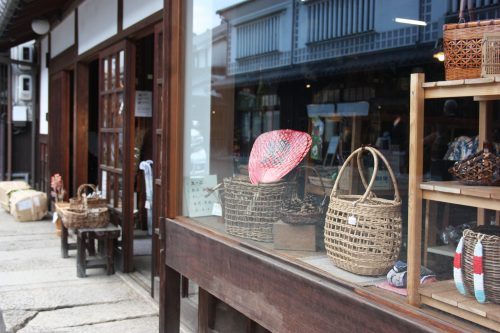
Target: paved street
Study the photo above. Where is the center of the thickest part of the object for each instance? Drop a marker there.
(39, 291)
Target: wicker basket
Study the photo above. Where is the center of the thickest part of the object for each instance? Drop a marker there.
(463, 44)
(88, 218)
(306, 210)
(363, 232)
(79, 201)
(482, 168)
(490, 238)
(251, 210)
(491, 55)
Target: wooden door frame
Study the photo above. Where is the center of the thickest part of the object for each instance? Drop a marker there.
(127, 214)
(172, 176)
(80, 125)
(59, 127)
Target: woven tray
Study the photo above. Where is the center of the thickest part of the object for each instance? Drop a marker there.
(305, 210)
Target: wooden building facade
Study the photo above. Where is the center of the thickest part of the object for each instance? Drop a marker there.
(189, 85)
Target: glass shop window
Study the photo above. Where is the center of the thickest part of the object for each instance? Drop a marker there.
(252, 69)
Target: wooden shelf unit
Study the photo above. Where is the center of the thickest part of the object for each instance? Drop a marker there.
(443, 295)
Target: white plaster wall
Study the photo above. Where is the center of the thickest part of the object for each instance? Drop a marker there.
(62, 36)
(136, 10)
(44, 87)
(97, 21)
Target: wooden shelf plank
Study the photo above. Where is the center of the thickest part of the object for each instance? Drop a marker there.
(456, 193)
(444, 250)
(432, 288)
(451, 297)
(460, 88)
(480, 80)
(443, 295)
(463, 200)
(461, 313)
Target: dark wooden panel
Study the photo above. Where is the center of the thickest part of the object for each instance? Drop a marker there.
(59, 126)
(173, 46)
(80, 126)
(63, 61)
(277, 294)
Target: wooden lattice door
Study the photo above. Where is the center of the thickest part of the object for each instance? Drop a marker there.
(116, 141)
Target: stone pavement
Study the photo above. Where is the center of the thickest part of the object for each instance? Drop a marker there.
(39, 291)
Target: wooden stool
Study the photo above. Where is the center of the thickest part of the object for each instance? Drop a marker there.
(107, 236)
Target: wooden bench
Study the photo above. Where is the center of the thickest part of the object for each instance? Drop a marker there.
(105, 256)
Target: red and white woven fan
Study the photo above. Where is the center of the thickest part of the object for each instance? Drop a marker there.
(276, 153)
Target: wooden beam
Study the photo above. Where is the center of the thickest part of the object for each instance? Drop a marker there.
(173, 99)
(80, 125)
(414, 192)
(485, 130)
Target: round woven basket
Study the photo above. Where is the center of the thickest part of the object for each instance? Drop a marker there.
(78, 202)
(85, 218)
(251, 210)
(363, 232)
(490, 238)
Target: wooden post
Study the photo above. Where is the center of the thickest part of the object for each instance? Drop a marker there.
(485, 121)
(80, 126)
(206, 311)
(415, 194)
(170, 291)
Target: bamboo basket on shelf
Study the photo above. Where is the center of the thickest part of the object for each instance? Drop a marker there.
(490, 239)
(482, 168)
(79, 201)
(463, 44)
(363, 232)
(491, 55)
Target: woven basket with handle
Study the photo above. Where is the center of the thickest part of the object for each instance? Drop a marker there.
(463, 43)
(79, 201)
(490, 239)
(363, 232)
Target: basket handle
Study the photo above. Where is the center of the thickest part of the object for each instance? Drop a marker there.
(376, 155)
(82, 187)
(397, 196)
(344, 166)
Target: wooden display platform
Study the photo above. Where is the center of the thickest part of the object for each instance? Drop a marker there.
(454, 192)
(481, 88)
(444, 296)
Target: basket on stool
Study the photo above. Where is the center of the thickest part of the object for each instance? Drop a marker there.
(251, 210)
(85, 218)
(490, 239)
(363, 232)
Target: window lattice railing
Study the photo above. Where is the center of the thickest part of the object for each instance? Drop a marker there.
(329, 19)
(258, 37)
